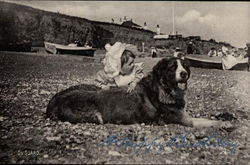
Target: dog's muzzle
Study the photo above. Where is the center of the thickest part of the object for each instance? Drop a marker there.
(184, 75)
(182, 86)
(182, 83)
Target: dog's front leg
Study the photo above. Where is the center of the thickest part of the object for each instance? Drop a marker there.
(202, 122)
(186, 120)
(99, 117)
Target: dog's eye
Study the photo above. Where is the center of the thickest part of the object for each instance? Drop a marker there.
(172, 68)
(185, 64)
(171, 65)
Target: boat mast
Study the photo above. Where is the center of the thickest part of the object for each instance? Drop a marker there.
(173, 18)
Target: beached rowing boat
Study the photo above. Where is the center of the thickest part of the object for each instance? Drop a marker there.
(69, 49)
(204, 61)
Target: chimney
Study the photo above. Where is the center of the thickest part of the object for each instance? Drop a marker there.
(158, 30)
(145, 26)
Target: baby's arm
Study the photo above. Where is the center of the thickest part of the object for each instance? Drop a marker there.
(138, 76)
(103, 81)
(123, 80)
(133, 84)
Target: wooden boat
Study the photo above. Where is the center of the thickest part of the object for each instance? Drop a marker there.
(204, 61)
(69, 49)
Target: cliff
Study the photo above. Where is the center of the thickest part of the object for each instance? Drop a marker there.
(22, 25)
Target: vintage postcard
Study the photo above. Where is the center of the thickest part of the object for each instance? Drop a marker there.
(124, 82)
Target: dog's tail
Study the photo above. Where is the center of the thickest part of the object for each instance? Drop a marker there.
(52, 109)
(57, 109)
(77, 117)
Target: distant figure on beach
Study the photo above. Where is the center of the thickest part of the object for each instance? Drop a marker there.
(178, 53)
(229, 59)
(247, 55)
(119, 68)
(220, 53)
(153, 52)
(235, 52)
(212, 52)
(190, 48)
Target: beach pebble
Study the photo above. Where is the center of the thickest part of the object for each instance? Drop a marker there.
(168, 150)
(196, 159)
(160, 140)
(168, 161)
(45, 156)
(54, 138)
(114, 153)
(67, 123)
(2, 118)
(86, 133)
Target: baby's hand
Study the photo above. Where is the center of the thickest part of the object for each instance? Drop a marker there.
(140, 65)
(131, 87)
(105, 87)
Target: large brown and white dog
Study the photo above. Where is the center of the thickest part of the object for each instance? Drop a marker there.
(158, 97)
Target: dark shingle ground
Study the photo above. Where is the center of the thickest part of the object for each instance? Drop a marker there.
(28, 82)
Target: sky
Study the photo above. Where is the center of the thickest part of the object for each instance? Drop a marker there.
(227, 21)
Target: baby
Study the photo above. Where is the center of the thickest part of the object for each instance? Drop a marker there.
(119, 68)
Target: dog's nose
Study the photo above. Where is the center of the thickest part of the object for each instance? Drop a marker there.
(183, 74)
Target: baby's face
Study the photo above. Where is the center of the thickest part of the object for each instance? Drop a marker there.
(128, 67)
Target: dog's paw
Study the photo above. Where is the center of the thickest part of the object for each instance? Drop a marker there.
(99, 117)
(202, 122)
(161, 122)
(188, 122)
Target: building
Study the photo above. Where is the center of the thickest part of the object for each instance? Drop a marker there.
(145, 26)
(194, 38)
(176, 36)
(131, 24)
(161, 37)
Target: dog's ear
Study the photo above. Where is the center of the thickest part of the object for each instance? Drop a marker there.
(160, 66)
(186, 65)
(186, 62)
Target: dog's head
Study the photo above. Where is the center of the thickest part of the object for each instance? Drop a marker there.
(172, 72)
(171, 75)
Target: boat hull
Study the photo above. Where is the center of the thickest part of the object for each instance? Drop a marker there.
(62, 49)
(89, 52)
(202, 61)
(202, 64)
